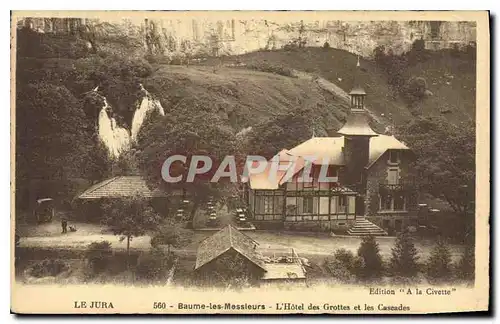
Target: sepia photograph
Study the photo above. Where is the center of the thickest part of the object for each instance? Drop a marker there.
(253, 162)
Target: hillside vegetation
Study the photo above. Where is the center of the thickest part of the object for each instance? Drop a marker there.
(242, 97)
(450, 78)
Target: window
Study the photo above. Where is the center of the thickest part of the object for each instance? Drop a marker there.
(386, 202)
(392, 176)
(264, 204)
(307, 207)
(393, 157)
(342, 204)
(268, 205)
(393, 202)
(278, 204)
(399, 201)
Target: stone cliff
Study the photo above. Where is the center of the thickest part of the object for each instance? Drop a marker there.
(233, 36)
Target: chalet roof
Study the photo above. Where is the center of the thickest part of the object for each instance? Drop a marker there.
(380, 144)
(224, 240)
(323, 148)
(266, 181)
(357, 124)
(121, 186)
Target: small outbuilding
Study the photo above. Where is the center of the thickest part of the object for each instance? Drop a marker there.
(231, 256)
(120, 187)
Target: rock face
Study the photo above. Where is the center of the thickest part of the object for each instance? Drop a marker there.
(232, 36)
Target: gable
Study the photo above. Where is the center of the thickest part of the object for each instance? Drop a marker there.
(228, 238)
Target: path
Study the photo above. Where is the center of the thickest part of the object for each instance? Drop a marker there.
(318, 245)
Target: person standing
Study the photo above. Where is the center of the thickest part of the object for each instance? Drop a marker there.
(64, 225)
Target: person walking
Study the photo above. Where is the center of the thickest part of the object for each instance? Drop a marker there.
(64, 225)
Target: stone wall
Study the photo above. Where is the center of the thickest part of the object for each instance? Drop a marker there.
(376, 175)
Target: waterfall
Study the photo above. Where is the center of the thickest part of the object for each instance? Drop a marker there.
(118, 139)
(148, 105)
(115, 138)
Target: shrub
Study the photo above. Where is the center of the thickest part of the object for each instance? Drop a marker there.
(326, 45)
(379, 55)
(418, 53)
(415, 89)
(439, 263)
(404, 257)
(418, 45)
(157, 58)
(276, 69)
(98, 255)
(341, 266)
(291, 46)
(465, 269)
(371, 266)
(153, 266)
(48, 267)
(470, 51)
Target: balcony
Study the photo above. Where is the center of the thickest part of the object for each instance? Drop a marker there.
(400, 186)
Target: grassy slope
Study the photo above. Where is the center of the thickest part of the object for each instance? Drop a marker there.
(242, 96)
(333, 64)
(452, 81)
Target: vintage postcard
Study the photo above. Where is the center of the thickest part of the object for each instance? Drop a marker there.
(250, 162)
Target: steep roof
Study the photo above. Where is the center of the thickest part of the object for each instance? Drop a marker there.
(121, 186)
(380, 144)
(323, 148)
(266, 181)
(357, 124)
(225, 239)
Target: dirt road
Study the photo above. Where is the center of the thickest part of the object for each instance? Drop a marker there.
(269, 241)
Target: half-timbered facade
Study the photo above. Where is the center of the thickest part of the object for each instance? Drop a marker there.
(367, 181)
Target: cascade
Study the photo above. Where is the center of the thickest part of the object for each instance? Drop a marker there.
(115, 138)
(148, 105)
(118, 139)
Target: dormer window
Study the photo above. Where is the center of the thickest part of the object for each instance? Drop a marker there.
(393, 157)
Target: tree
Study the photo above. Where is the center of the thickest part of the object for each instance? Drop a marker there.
(129, 217)
(182, 133)
(404, 257)
(445, 160)
(282, 131)
(466, 265)
(371, 267)
(53, 131)
(171, 235)
(439, 263)
(52, 137)
(99, 165)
